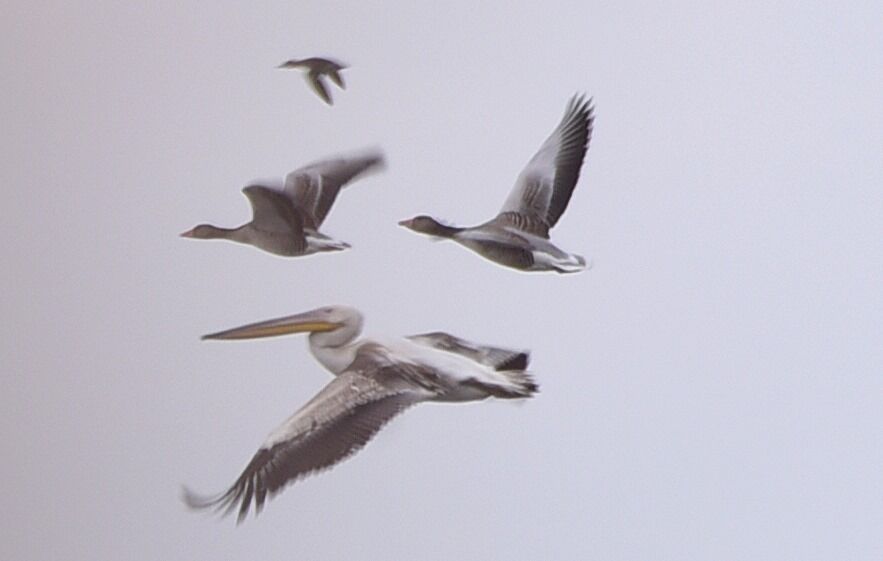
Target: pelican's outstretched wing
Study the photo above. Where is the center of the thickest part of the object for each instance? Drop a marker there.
(495, 357)
(544, 187)
(314, 187)
(332, 426)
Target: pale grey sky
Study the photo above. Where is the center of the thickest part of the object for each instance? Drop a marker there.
(712, 389)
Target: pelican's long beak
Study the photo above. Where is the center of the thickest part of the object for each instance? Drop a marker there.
(312, 322)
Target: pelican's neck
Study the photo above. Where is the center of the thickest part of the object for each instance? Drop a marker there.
(335, 350)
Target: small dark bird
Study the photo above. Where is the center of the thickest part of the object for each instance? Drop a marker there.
(316, 69)
(518, 237)
(286, 220)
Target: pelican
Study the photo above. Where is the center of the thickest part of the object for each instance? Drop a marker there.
(374, 380)
(317, 68)
(286, 220)
(518, 237)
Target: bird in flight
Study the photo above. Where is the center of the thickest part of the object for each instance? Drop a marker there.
(374, 380)
(316, 69)
(518, 237)
(286, 219)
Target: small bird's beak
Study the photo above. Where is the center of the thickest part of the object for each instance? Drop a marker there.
(406, 223)
(188, 234)
(312, 322)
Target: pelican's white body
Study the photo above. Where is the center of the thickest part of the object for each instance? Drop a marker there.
(375, 380)
(452, 369)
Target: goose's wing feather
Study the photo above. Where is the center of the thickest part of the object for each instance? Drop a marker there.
(332, 426)
(304, 190)
(273, 212)
(496, 357)
(499, 244)
(529, 223)
(543, 189)
(318, 85)
(510, 256)
(314, 187)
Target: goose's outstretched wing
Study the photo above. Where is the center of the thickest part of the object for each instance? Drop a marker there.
(332, 426)
(272, 212)
(314, 187)
(543, 189)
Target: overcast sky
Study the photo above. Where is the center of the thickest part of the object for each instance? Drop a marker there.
(711, 389)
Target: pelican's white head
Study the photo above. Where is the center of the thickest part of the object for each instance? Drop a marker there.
(347, 319)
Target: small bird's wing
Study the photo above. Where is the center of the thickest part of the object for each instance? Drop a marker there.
(332, 426)
(543, 189)
(496, 357)
(314, 187)
(337, 78)
(318, 84)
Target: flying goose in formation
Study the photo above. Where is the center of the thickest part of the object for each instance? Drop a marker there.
(316, 69)
(518, 237)
(374, 381)
(286, 219)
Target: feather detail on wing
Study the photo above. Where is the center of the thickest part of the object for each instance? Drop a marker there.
(273, 212)
(528, 223)
(543, 189)
(496, 357)
(314, 187)
(332, 426)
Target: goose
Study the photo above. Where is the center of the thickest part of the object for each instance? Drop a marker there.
(518, 237)
(286, 220)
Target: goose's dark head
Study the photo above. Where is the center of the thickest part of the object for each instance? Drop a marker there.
(205, 232)
(430, 226)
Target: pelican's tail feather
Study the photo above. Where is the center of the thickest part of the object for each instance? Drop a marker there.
(515, 384)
